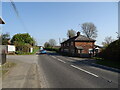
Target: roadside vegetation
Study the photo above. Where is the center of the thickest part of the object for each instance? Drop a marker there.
(6, 67)
(110, 55)
(22, 41)
(35, 49)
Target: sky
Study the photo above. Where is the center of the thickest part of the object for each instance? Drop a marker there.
(51, 20)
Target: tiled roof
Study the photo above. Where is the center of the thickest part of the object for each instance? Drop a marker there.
(79, 38)
(83, 38)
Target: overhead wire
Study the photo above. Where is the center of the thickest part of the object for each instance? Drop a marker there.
(17, 13)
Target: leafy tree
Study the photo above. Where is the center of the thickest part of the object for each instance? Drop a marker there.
(71, 33)
(89, 29)
(107, 41)
(52, 42)
(23, 38)
(5, 38)
(46, 45)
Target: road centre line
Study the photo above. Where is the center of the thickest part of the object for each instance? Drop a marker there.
(68, 59)
(61, 60)
(84, 71)
(53, 56)
(58, 59)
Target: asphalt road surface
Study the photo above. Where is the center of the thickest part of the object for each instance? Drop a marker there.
(65, 72)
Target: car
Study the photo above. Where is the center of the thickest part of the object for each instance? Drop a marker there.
(42, 51)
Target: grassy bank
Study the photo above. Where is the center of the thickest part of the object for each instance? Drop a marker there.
(109, 63)
(6, 67)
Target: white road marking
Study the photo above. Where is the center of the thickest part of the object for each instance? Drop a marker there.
(61, 60)
(58, 59)
(85, 71)
(53, 56)
(68, 59)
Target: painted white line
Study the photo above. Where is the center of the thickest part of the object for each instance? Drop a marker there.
(58, 59)
(85, 71)
(61, 60)
(53, 56)
(68, 59)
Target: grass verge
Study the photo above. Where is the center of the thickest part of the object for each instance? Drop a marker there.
(6, 67)
(113, 64)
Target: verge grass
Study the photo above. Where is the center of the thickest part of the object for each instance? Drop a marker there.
(6, 67)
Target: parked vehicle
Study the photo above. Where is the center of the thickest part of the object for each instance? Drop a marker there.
(42, 51)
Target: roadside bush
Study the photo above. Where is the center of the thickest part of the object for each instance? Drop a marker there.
(52, 49)
(112, 52)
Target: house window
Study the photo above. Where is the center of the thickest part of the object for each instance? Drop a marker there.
(65, 50)
(71, 43)
(80, 51)
(68, 44)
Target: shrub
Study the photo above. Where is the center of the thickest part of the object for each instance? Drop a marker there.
(112, 52)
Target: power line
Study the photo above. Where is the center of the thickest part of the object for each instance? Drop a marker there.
(17, 13)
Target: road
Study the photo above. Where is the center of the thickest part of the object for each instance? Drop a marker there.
(24, 74)
(55, 71)
(65, 72)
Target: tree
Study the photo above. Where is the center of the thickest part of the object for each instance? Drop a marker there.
(89, 29)
(46, 45)
(5, 38)
(112, 52)
(118, 35)
(107, 41)
(52, 42)
(71, 33)
(23, 38)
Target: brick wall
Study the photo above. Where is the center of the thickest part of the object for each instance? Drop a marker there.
(86, 46)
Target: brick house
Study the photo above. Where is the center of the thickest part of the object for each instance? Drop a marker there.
(78, 45)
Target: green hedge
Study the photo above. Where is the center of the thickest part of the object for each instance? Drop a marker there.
(112, 52)
(52, 49)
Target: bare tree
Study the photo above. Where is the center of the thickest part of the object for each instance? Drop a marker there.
(71, 33)
(107, 41)
(52, 42)
(89, 29)
(118, 35)
(64, 39)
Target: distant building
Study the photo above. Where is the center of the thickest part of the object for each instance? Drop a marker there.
(78, 45)
(10, 49)
(98, 48)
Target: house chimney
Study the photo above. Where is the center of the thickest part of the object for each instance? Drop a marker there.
(78, 33)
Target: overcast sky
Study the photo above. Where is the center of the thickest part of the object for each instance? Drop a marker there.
(51, 20)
